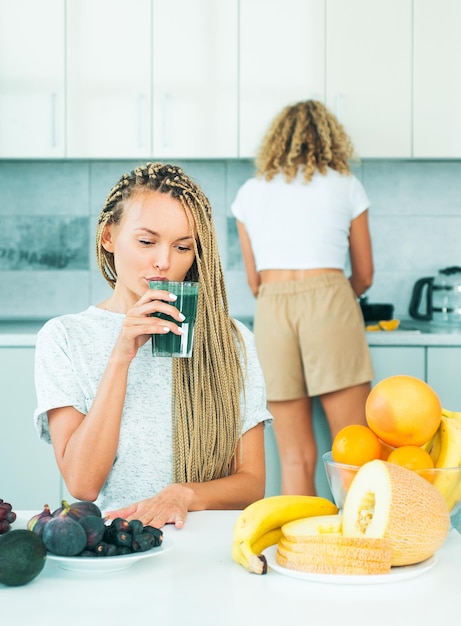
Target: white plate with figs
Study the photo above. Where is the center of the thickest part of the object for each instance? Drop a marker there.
(103, 564)
(395, 575)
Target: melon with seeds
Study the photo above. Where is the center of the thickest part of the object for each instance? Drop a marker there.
(392, 502)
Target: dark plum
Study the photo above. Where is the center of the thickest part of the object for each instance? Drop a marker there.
(143, 542)
(106, 549)
(136, 526)
(155, 532)
(120, 524)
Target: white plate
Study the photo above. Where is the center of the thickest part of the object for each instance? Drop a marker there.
(396, 574)
(98, 564)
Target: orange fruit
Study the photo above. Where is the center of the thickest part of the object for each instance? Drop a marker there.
(355, 445)
(403, 410)
(411, 457)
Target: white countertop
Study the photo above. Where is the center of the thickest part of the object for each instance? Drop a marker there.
(197, 583)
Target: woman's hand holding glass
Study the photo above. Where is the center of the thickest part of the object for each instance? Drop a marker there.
(139, 324)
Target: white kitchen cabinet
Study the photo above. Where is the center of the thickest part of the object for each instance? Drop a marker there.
(369, 73)
(194, 78)
(32, 79)
(29, 477)
(109, 95)
(282, 61)
(444, 375)
(437, 88)
(396, 360)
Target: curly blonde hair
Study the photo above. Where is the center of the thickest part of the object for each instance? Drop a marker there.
(206, 387)
(305, 136)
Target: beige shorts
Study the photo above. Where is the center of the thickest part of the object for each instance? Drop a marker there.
(310, 337)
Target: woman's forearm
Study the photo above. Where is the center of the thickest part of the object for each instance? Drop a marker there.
(86, 451)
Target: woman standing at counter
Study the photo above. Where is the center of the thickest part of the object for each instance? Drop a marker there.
(153, 438)
(297, 220)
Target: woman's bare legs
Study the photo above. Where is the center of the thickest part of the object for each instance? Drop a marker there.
(346, 406)
(296, 445)
(295, 437)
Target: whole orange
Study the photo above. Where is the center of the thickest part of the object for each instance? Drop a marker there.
(403, 410)
(411, 457)
(355, 445)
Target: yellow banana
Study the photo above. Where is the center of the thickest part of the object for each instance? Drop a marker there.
(268, 539)
(449, 456)
(266, 515)
(450, 443)
(453, 414)
(433, 445)
(239, 558)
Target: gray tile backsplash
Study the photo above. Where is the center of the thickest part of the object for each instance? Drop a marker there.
(48, 214)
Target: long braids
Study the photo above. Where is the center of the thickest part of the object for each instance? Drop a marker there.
(207, 387)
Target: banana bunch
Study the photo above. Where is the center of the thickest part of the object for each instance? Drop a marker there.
(259, 525)
(445, 450)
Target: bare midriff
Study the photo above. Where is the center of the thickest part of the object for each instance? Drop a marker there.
(272, 276)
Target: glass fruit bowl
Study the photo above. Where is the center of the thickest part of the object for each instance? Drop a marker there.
(446, 479)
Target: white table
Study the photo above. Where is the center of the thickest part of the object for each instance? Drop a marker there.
(197, 583)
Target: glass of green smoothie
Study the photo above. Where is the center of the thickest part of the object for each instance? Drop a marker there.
(187, 297)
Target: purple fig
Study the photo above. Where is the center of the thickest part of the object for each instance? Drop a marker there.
(78, 509)
(94, 527)
(63, 535)
(37, 522)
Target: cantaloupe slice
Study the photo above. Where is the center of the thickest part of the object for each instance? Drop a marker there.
(316, 545)
(392, 502)
(335, 554)
(303, 528)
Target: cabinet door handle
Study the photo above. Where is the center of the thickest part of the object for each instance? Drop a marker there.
(53, 127)
(164, 102)
(141, 120)
(338, 101)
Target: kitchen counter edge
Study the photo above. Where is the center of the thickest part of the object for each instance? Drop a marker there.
(17, 333)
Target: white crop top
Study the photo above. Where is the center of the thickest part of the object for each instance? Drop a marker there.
(300, 225)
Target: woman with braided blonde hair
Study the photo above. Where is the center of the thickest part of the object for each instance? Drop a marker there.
(298, 219)
(153, 438)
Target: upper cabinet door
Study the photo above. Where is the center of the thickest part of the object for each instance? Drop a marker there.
(282, 61)
(195, 78)
(369, 73)
(437, 87)
(31, 78)
(108, 78)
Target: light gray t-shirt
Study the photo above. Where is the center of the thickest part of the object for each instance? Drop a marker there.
(72, 352)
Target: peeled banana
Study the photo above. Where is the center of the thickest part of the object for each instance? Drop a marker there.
(258, 525)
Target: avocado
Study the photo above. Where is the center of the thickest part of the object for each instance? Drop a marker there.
(22, 557)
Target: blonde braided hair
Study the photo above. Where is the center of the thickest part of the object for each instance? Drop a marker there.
(304, 136)
(206, 387)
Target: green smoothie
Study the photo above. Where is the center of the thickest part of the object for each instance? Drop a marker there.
(170, 344)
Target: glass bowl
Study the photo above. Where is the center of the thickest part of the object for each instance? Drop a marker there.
(340, 476)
